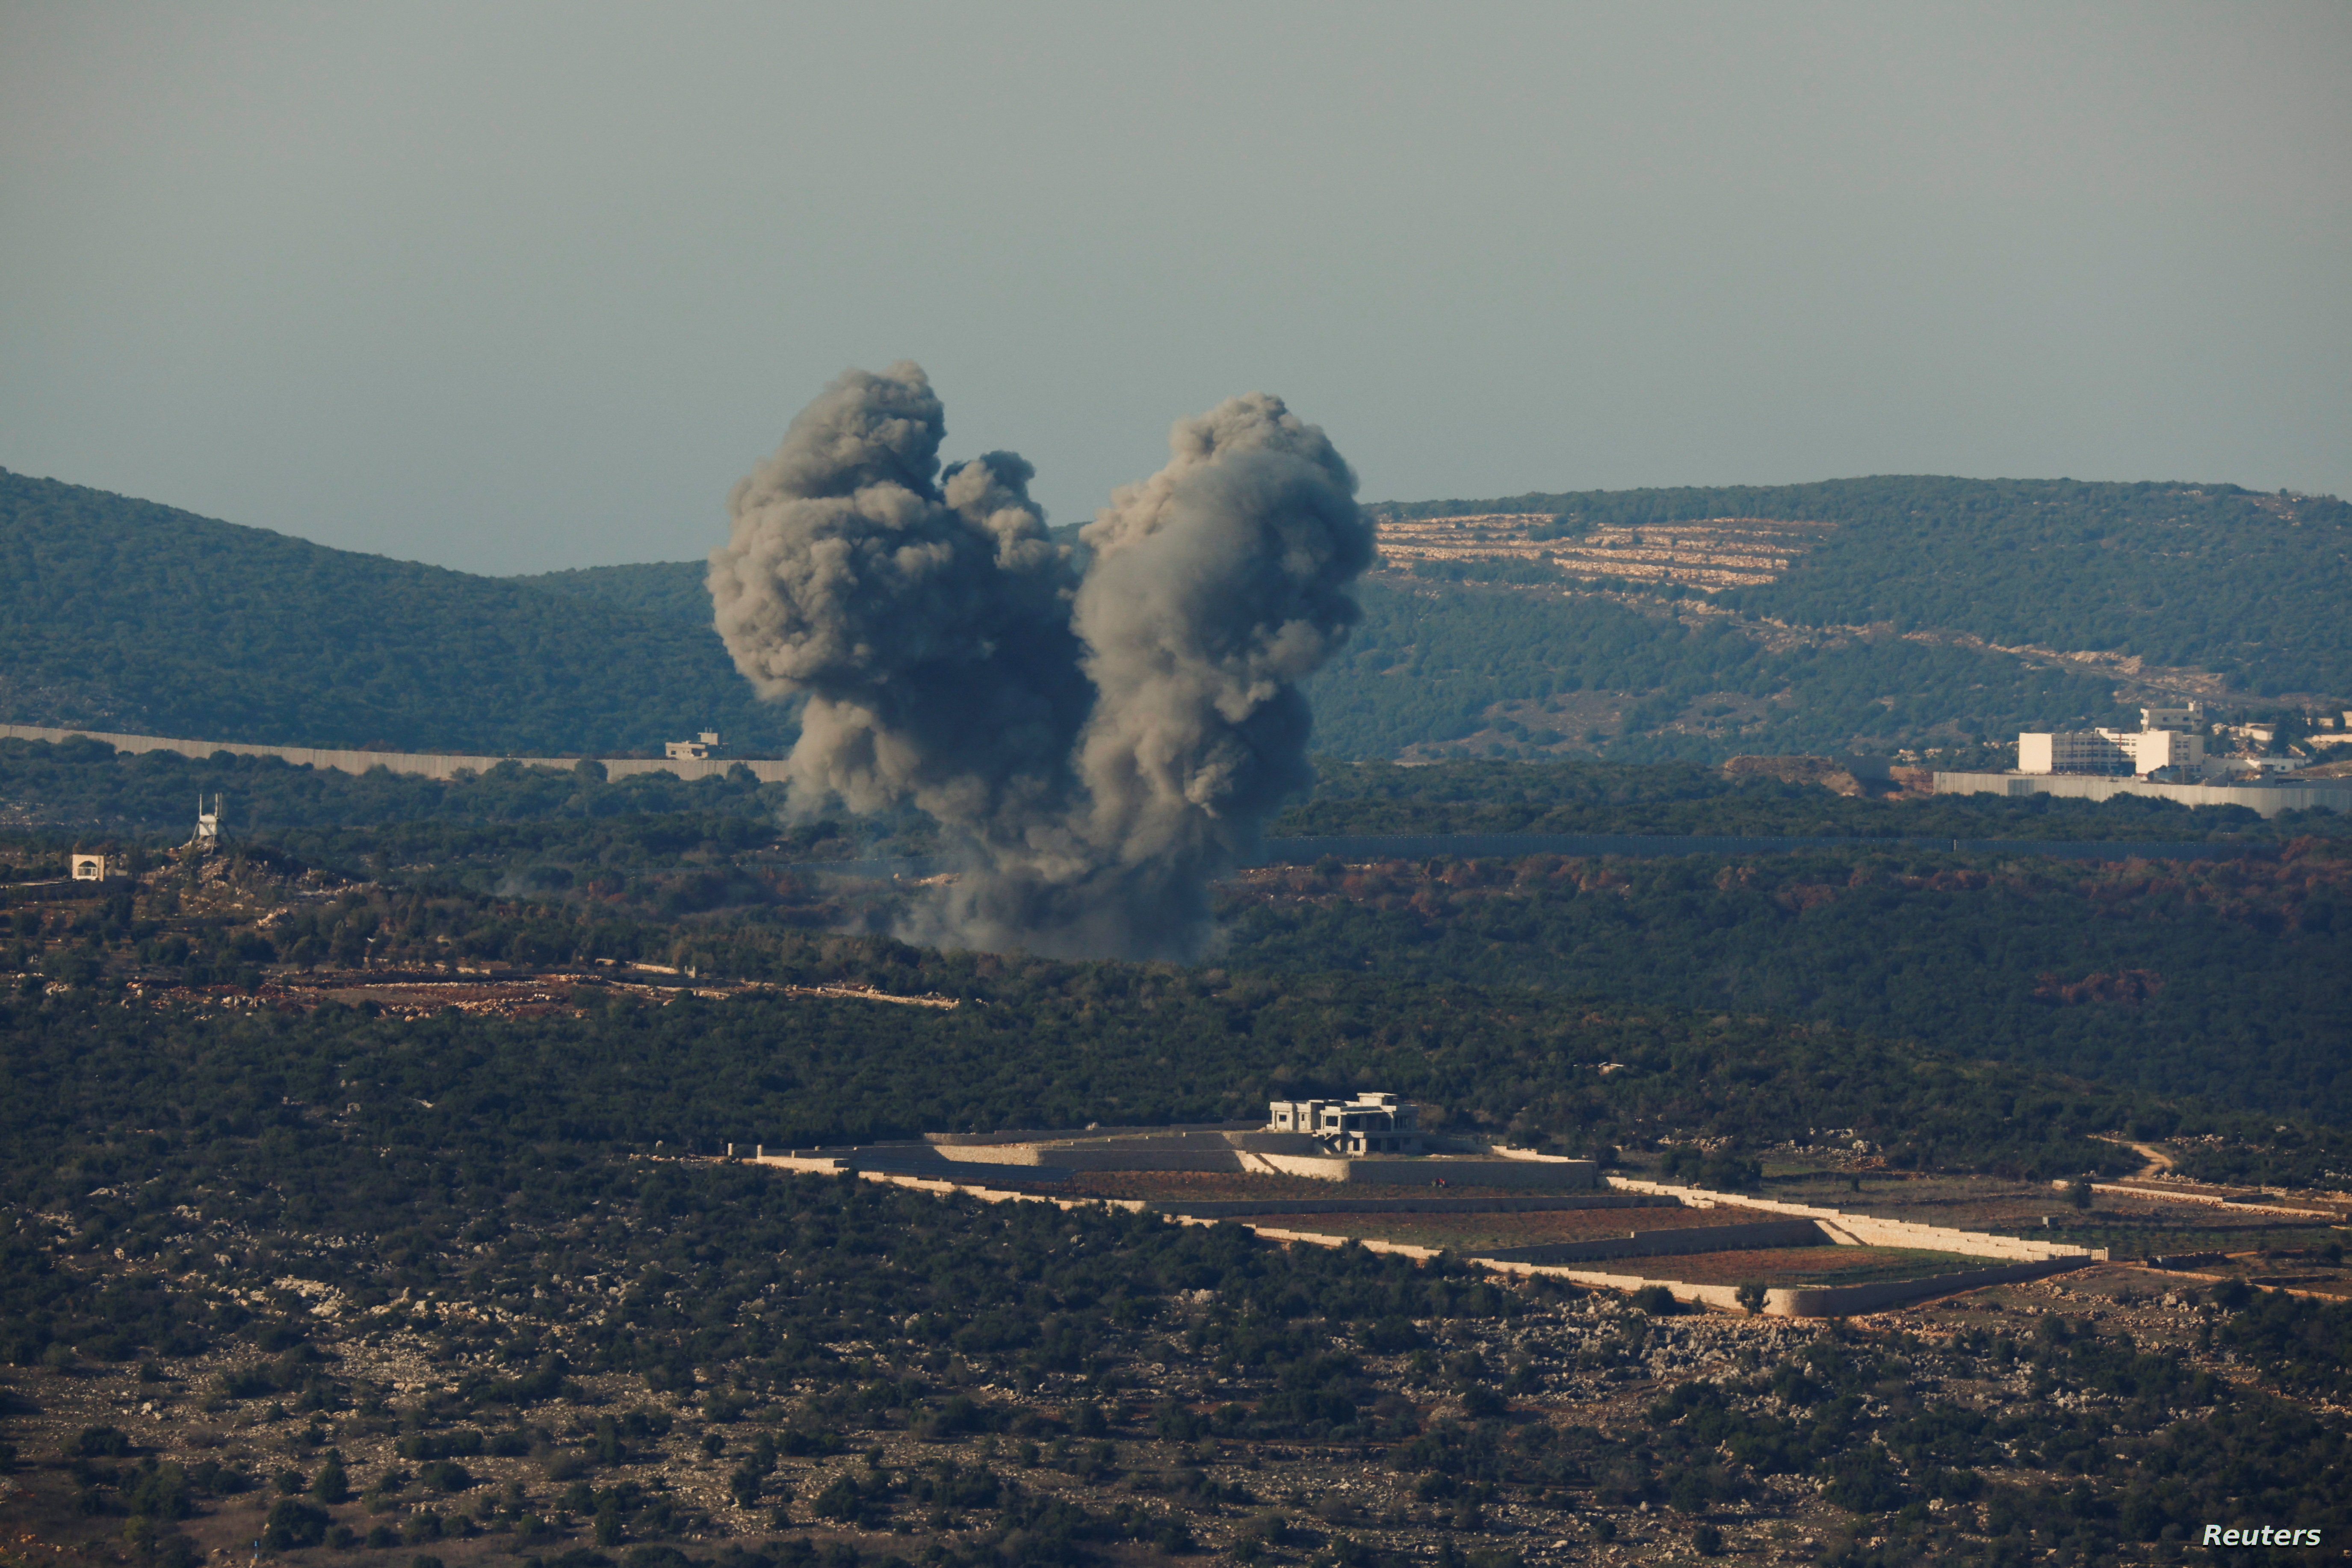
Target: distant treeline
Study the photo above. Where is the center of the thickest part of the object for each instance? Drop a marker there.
(1693, 798)
(2219, 980)
(84, 788)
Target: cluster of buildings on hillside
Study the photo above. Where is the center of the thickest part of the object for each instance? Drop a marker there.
(2170, 747)
(2167, 757)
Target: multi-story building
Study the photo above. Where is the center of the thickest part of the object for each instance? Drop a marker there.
(2166, 738)
(2070, 752)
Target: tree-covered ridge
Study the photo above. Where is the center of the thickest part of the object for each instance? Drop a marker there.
(1429, 661)
(1431, 665)
(125, 614)
(2214, 979)
(677, 590)
(1438, 1019)
(84, 789)
(2209, 576)
(1691, 798)
(130, 615)
(86, 784)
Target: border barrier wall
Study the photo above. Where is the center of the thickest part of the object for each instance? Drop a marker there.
(2268, 799)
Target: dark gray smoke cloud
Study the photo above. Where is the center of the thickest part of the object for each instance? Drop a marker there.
(1097, 749)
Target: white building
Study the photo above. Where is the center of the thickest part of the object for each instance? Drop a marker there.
(2069, 752)
(695, 751)
(1367, 1124)
(90, 869)
(2166, 738)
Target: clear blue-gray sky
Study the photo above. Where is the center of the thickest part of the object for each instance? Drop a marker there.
(514, 287)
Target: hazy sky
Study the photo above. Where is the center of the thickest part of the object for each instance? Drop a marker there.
(514, 287)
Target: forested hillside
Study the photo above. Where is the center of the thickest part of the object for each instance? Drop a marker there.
(674, 589)
(1887, 633)
(123, 615)
(1878, 636)
(1475, 669)
(2210, 576)
(2216, 979)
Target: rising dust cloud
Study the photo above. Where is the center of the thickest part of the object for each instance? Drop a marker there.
(1095, 748)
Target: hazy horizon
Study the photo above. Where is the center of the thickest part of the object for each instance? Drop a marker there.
(530, 289)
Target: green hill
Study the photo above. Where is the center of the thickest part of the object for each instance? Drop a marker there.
(673, 590)
(1920, 613)
(1930, 613)
(2210, 576)
(123, 615)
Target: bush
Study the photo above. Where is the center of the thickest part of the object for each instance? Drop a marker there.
(163, 1493)
(1707, 1541)
(445, 1475)
(842, 1501)
(293, 1523)
(1656, 1301)
(100, 1443)
(331, 1485)
(1482, 1404)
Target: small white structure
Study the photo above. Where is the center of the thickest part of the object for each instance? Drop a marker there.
(90, 868)
(1367, 1124)
(695, 751)
(207, 824)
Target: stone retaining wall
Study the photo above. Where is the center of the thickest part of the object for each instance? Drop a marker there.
(1440, 1172)
(1805, 1301)
(1667, 1243)
(1863, 1230)
(1223, 1208)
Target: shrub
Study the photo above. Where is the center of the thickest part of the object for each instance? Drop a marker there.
(445, 1475)
(331, 1485)
(292, 1523)
(100, 1443)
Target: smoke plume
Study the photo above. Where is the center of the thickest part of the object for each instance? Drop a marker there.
(1096, 749)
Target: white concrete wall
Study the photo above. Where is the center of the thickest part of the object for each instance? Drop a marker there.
(2268, 800)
